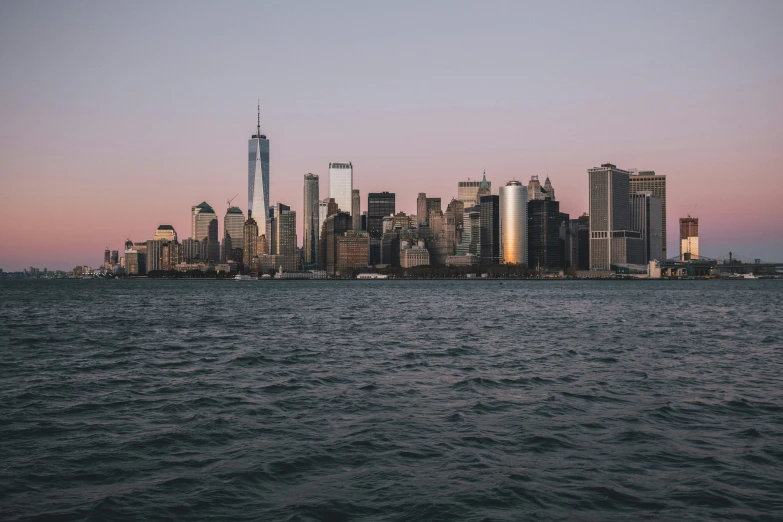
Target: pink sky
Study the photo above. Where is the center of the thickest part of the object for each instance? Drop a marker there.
(110, 129)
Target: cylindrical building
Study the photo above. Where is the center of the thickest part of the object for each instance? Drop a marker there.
(513, 222)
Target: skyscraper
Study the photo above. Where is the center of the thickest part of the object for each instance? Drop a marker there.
(689, 238)
(356, 210)
(583, 238)
(646, 218)
(611, 239)
(467, 191)
(323, 213)
(283, 241)
(258, 176)
(648, 181)
(536, 191)
(513, 222)
(341, 185)
(544, 221)
(422, 215)
(166, 232)
(311, 219)
(201, 216)
(489, 224)
(379, 204)
(250, 237)
(335, 226)
(233, 233)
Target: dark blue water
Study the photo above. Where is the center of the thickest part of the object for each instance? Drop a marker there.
(384, 400)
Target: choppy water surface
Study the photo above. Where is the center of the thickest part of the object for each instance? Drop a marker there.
(384, 400)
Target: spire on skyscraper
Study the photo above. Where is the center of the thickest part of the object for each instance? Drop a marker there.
(258, 127)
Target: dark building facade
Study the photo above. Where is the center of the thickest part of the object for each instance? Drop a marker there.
(334, 227)
(379, 204)
(390, 249)
(583, 238)
(490, 229)
(543, 234)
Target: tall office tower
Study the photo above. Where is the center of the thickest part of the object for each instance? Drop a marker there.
(191, 250)
(572, 245)
(323, 213)
(166, 232)
(422, 214)
(106, 256)
(356, 210)
(534, 189)
(489, 208)
(352, 251)
(547, 190)
(332, 208)
(611, 239)
(689, 238)
(213, 243)
(451, 225)
(648, 181)
(458, 207)
(471, 233)
(258, 177)
(250, 239)
(201, 216)
(336, 225)
(311, 221)
(485, 188)
(513, 222)
(233, 234)
(115, 257)
(283, 234)
(646, 212)
(544, 220)
(155, 254)
(564, 240)
(379, 204)
(468, 191)
(433, 205)
(341, 185)
(583, 238)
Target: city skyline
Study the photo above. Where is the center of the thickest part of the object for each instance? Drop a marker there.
(139, 153)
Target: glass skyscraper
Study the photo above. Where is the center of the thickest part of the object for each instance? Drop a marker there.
(258, 177)
(312, 224)
(341, 185)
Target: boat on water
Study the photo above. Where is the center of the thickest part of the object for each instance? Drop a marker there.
(749, 276)
(240, 277)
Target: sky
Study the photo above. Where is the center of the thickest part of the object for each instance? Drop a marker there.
(119, 117)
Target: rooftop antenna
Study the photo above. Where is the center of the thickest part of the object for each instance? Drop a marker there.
(259, 118)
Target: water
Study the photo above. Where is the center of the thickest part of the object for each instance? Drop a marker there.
(385, 400)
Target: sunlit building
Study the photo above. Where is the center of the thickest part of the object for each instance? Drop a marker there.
(689, 238)
(258, 177)
(341, 185)
(513, 222)
(165, 232)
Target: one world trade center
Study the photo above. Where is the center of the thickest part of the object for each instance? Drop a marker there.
(258, 177)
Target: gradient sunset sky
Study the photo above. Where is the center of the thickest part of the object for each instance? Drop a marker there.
(118, 117)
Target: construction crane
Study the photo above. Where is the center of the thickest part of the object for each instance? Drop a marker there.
(230, 200)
